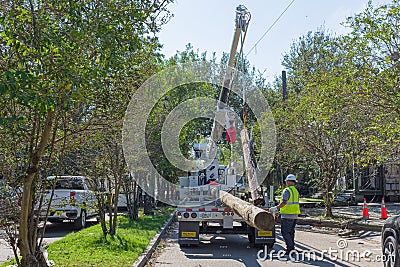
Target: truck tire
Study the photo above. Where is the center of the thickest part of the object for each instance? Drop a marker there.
(81, 221)
(391, 252)
(251, 238)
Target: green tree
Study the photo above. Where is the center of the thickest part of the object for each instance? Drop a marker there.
(373, 70)
(315, 124)
(317, 128)
(58, 62)
(200, 125)
(346, 101)
(307, 58)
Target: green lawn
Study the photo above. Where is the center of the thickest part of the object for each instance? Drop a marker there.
(88, 247)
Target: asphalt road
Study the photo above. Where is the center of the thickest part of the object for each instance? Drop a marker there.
(318, 247)
(234, 250)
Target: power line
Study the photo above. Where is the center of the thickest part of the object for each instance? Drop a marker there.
(270, 27)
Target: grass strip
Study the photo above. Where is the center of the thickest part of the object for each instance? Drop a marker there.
(88, 247)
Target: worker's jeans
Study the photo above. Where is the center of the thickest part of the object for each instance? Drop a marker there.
(287, 231)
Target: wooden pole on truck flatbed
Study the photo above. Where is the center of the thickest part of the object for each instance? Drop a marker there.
(253, 216)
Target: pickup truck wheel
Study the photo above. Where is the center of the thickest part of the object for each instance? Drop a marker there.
(81, 221)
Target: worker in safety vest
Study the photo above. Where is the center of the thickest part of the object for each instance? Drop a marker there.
(289, 209)
(196, 145)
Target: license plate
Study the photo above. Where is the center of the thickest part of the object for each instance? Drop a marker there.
(188, 234)
(264, 233)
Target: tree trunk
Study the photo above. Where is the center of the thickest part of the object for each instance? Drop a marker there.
(114, 218)
(102, 213)
(27, 242)
(136, 201)
(148, 206)
(328, 204)
(26, 250)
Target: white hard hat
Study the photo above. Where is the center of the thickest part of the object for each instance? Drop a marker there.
(291, 177)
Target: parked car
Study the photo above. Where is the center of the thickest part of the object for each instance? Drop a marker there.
(72, 200)
(345, 197)
(317, 195)
(391, 242)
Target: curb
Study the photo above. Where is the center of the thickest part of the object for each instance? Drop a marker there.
(354, 224)
(145, 256)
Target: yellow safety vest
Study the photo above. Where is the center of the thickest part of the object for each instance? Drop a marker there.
(198, 141)
(292, 206)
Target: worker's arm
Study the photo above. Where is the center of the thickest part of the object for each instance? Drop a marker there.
(282, 204)
(285, 198)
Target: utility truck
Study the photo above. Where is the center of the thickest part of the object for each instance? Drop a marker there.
(216, 199)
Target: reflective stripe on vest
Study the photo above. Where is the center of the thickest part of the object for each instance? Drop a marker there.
(292, 206)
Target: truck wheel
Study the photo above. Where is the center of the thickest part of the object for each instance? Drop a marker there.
(251, 238)
(391, 252)
(81, 221)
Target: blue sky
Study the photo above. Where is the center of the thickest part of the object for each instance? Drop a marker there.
(209, 26)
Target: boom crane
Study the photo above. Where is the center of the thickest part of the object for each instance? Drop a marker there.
(209, 195)
(241, 24)
(242, 19)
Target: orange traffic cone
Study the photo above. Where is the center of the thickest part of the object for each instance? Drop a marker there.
(383, 208)
(365, 210)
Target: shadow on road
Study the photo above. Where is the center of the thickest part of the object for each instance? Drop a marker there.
(231, 247)
(58, 230)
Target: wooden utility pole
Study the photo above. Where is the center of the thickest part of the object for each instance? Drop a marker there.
(251, 168)
(253, 216)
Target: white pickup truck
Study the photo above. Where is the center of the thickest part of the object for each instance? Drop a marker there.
(72, 200)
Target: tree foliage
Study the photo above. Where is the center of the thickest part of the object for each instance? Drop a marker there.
(66, 68)
(343, 104)
(374, 72)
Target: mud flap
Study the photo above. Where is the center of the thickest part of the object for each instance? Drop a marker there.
(189, 233)
(257, 237)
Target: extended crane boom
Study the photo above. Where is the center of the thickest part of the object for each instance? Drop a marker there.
(210, 194)
(241, 23)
